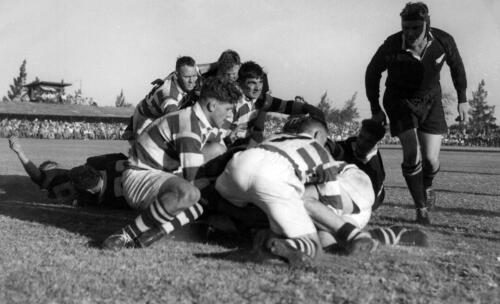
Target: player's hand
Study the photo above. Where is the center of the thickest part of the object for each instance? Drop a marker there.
(380, 117)
(463, 112)
(15, 145)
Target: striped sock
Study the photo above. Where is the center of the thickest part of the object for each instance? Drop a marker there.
(348, 232)
(414, 179)
(157, 216)
(304, 245)
(398, 235)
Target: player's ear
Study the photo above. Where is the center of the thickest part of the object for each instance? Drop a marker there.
(211, 105)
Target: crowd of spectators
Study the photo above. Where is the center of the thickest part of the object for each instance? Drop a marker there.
(63, 129)
(60, 129)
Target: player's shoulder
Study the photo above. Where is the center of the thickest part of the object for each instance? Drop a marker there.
(394, 40)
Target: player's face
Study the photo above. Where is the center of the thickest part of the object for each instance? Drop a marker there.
(231, 74)
(413, 31)
(187, 76)
(252, 87)
(64, 193)
(220, 111)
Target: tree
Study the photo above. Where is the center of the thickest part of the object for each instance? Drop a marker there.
(349, 112)
(17, 90)
(449, 105)
(120, 101)
(481, 114)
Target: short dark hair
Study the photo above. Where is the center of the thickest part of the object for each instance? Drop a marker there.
(48, 165)
(301, 123)
(227, 60)
(182, 61)
(220, 89)
(374, 128)
(250, 69)
(415, 11)
(84, 177)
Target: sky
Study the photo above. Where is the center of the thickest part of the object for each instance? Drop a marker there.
(307, 47)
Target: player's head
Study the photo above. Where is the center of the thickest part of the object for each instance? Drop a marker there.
(370, 134)
(415, 21)
(187, 74)
(218, 97)
(228, 65)
(86, 179)
(56, 181)
(251, 79)
(309, 125)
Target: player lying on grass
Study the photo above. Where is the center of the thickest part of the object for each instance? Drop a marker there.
(96, 183)
(165, 172)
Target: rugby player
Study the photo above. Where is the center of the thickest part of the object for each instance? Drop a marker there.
(165, 172)
(167, 95)
(272, 176)
(413, 59)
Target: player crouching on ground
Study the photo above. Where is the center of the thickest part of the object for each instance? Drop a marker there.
(165, 172)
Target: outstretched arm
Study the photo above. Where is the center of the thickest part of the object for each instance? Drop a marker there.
(28, 165)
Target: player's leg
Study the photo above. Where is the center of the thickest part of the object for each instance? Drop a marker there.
(412, 172)
(430, 148)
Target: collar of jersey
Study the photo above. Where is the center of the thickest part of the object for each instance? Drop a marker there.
(201, 117)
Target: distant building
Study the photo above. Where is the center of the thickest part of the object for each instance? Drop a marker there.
(46, 91)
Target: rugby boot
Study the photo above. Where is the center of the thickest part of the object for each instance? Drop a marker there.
(119, 240)
(423, 216)
(149, 237)
(281, 248)
(430, 198)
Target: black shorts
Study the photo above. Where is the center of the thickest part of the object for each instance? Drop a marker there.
(402, 118)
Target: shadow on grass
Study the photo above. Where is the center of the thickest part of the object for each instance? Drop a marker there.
(450, 191)
(21, 199)
(470, 172)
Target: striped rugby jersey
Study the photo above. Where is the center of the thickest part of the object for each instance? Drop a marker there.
(312, 163)
(250, 114)
(164, 98)
(173, 143)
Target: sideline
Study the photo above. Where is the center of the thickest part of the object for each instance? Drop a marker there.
(449, 148)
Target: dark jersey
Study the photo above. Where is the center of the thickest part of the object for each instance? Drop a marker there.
(111, 167)
(409, 76)
(373, 166)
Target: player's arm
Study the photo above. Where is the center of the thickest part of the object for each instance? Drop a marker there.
(190, 156)
(30, 168)
(204, 68)
(373, 75)
(291, 107)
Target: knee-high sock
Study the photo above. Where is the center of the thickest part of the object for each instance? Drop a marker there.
(414, 179)
(157, 216)
(399, 235)
(304, 245)
(429, 176)
(348, 232)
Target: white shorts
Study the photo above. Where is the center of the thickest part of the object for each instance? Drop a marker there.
(267, 180)
(355, 189)
(141, 187)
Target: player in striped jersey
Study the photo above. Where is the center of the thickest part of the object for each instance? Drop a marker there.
(99, 181)
(247, 125)
(273, 175)
(166, 173)
(167, 95)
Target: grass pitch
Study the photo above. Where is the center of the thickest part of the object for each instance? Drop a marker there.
(50, 254)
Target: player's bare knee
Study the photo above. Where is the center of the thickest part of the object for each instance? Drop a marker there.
(187, 195)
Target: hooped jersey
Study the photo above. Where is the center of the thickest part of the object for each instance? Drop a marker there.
(111, 167)
(312, 164)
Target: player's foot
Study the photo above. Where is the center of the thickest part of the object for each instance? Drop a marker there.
(118, 240)
(148, 237)
(362, 245)
(282, 249)
(423, 216)
(430, 195)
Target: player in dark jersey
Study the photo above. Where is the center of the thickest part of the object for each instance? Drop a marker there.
(413, 59)
(99, 181)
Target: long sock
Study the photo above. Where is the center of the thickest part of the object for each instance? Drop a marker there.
(157, 216)
(414, 179)
(429, 176)
(399, 235)
(304, 245)
(348, 232)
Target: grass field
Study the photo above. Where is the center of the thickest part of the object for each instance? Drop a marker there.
(50, 253)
